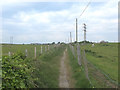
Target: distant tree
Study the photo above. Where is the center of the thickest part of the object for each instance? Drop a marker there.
(75, 42)
(85, 42)
(53, 42)
(58, 43)
(62, 43)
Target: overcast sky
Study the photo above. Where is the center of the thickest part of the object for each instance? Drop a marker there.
(53, 21)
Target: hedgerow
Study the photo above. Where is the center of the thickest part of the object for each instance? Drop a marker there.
(15, 71)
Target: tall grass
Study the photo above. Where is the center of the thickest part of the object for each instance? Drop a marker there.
(46, 69)
(78, 72)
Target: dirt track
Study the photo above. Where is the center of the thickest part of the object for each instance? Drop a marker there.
(63, 79)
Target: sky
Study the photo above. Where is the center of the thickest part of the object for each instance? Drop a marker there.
(45, 22)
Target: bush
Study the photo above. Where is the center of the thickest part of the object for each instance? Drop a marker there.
(14, 71)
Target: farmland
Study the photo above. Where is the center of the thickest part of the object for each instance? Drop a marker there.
(101, 64)
(99, 70)
(105, 58)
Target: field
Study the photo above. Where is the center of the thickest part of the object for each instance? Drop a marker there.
(98, 69)
(105, 56)
(102, 63)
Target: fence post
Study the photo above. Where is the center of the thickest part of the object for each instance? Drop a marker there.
(79, 54)
(35, 52)
(48, 47)
(41, 49)
(9, 53)
(26, 52)
(45, 49)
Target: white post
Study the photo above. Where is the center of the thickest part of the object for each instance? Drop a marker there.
(45, 49)
(9, 53)
(41, 49)
(48, 47)
(93, 45)
(35, 52)
(26, 52)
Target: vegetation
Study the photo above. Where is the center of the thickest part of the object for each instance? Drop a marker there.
(20, 71)
(15, 71)
(46, 70)
(103, 56)
(78, 72)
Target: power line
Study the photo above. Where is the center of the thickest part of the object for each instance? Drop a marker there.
(85, 8)
(78, 18)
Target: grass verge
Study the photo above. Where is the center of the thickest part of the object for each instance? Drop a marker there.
(78, 72)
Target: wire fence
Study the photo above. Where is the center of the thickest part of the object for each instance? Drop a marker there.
(33, 51)
(102, 75)
(86, 69)
(92, 70)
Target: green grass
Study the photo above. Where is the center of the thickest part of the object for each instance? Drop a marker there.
(104, 57)
(46, 72)
(44, 69)
(78, 72)
(21, 48)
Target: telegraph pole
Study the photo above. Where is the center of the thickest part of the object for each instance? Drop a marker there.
(11, 40)
(84, 32)
(76, 31)
(70, 38)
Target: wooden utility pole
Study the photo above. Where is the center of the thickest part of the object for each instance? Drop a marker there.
(70, 38)
(76, 31)
(35, 52)
(11, 40)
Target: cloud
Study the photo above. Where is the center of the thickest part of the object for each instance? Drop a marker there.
(48, 26)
